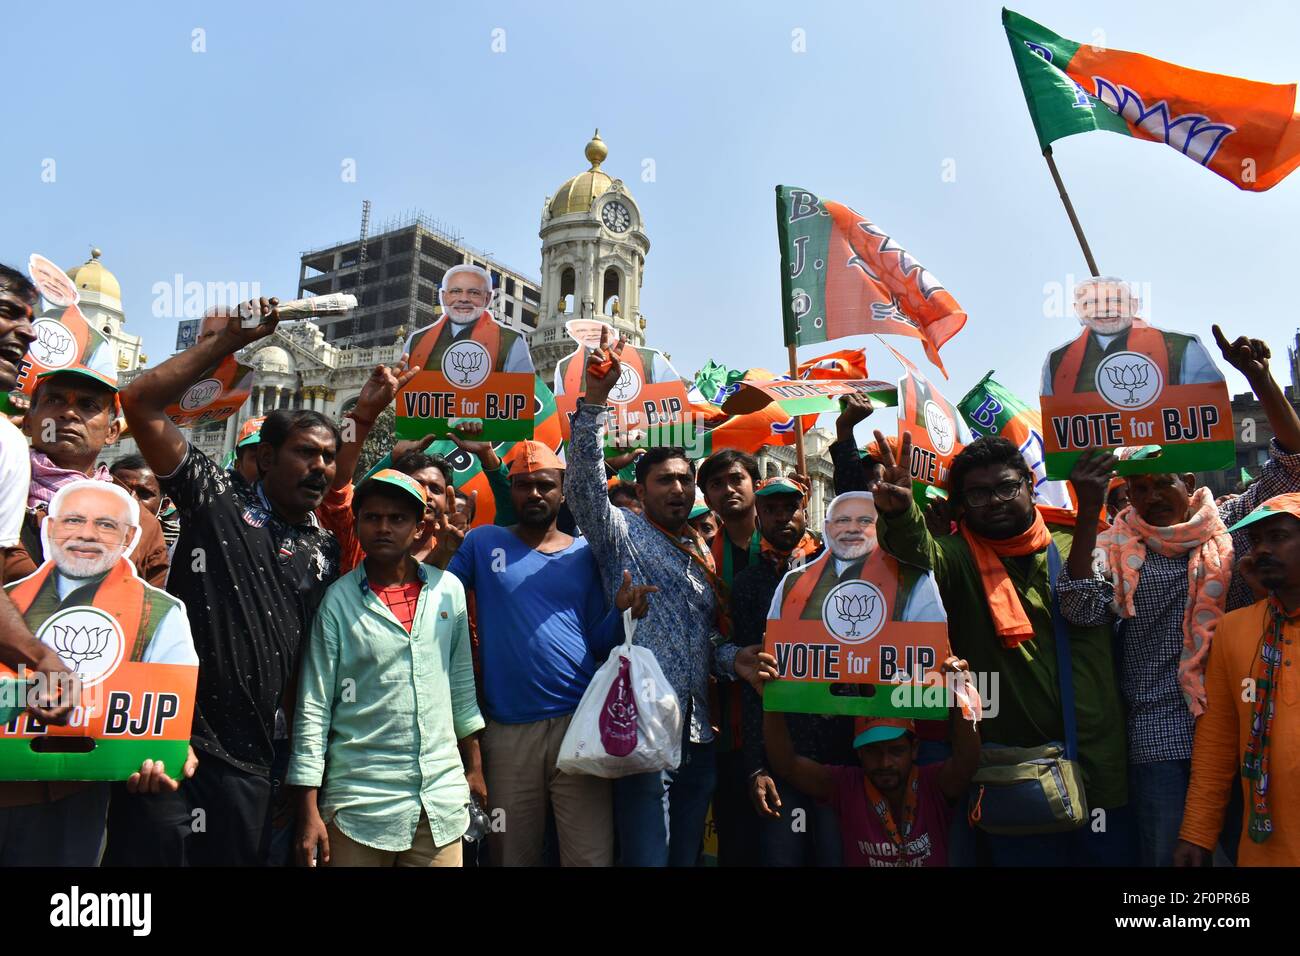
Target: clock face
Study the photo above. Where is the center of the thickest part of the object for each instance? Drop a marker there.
(615, 217)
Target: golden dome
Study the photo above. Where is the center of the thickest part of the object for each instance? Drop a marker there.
(91, 276)
(576, 194)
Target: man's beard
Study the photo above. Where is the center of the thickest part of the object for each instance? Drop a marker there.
(851, 552)
(462, 319)
(1108, 326)
(75, 567)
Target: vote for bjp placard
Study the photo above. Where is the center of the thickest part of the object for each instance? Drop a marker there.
(471, 367)
(649, 405)
(856, 616)
(1123, 382)
(128, 642)
(221, 390)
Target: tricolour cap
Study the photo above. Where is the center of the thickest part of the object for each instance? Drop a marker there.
(873, 730)
(250, 433)
(1280, 505)
(82, 370)
(529, 456)
(395, 478)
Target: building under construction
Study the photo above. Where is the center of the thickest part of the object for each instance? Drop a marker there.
(395, 273)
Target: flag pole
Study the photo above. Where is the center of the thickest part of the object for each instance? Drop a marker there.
(798, 419)
(1069, 209)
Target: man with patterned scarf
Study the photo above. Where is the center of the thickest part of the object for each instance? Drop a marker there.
(1251, 721)
(1165, 571)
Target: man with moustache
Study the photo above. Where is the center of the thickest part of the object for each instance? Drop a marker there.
(544, 628)
(253, 565)
(90, 532)
(1250, 721)
(465, 294)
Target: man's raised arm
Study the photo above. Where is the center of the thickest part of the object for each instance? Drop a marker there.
(584, 480)
(145, 400)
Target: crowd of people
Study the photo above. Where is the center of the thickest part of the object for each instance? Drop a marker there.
(381, 682)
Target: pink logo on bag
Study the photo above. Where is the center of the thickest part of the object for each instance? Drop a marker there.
(618, 718)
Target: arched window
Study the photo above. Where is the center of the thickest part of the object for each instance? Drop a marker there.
(568, 286)
(611, 288)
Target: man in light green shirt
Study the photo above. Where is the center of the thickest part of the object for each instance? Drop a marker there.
(385, 741)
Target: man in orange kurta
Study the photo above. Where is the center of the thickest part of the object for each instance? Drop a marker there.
(1252, 717)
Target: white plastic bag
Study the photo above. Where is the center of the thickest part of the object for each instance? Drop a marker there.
(658, 716)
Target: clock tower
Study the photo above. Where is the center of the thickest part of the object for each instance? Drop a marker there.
(593, 254)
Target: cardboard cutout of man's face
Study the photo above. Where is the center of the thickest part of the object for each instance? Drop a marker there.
(850, 527)
(1107, 306)
(51, 281)
(467, 292)
(91, 526)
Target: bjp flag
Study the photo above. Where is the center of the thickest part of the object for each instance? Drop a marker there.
(841, 274)
(1245, 131)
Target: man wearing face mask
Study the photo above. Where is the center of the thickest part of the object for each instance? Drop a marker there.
(1108, 310)
(465, 295)
(1169, 577)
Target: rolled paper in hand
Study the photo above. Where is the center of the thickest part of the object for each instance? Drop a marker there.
(336, 303)
(968, 696)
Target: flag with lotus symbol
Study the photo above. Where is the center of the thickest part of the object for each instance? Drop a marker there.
(1244, 131)
(841, 274)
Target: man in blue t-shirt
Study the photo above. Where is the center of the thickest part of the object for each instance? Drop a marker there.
(543, 630)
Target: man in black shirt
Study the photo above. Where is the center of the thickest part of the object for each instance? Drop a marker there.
(252, 564)
(794, 830)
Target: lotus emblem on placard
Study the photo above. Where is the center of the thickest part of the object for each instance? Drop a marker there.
(854, 611)
(628, 386)
(1128, 380)
(76, 645)
(939, 426)
(54, 345)
(466, 364)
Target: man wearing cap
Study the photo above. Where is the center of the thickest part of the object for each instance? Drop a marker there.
(544, 628)
(1167, 576)
(74, 416)
(1251, 722)
(385, 740)
(245, 466)
(705, 522)
(782, 521)
(891, 812)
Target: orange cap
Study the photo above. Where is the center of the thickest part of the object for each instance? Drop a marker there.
(530, 456)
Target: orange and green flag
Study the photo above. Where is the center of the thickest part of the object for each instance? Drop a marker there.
(1245, 131)
(841, 274)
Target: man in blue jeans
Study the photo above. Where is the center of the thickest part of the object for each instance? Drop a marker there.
(659, 817)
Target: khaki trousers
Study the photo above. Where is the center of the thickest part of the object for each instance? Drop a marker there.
(522, 782)
(345, 851)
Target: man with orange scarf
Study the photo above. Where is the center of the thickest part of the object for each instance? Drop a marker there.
(994, 579)
(1168, 578)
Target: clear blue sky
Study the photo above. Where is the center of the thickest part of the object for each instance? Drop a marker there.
(224, 165)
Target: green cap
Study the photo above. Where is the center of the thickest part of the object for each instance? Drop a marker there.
(395, 478)
(699, 511)
(1280, 505)
(779, 486)
(84, 372)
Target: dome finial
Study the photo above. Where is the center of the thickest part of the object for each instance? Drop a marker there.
(596, 150)
(95, 253)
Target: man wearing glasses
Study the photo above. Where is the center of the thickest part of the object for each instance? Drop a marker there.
(465, 295)
(994, 578)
